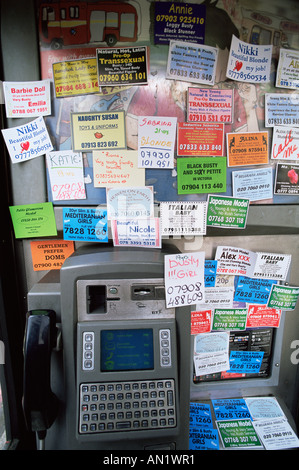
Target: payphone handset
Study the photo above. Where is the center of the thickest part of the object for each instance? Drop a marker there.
(40, 404)
(125, 370)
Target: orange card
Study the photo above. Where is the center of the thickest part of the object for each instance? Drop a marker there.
(248, 148)
(50, 254)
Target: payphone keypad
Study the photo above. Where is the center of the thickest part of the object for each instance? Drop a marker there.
(131, 405)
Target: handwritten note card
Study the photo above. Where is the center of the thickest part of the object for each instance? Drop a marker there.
(66, 175)
(285, 143)
(184, 278)
(156, 140)
(115, 168)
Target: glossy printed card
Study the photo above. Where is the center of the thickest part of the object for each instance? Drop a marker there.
(248, 148)
(210, 105)
(249, 63)
(191, 62)
(200, 139)
(201, 175)
(98, 131)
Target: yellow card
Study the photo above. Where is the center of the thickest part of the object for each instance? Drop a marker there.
(98, 131)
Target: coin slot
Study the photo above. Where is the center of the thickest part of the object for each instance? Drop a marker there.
(96, 299)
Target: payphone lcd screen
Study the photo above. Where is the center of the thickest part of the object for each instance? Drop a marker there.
(130, 349)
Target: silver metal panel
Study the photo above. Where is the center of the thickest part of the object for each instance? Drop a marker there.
(126, 299)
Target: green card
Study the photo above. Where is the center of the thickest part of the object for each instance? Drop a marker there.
(227, 212)
(200, 175)
(33, 220)
(238, 433)
(229, 319)
(283, 297)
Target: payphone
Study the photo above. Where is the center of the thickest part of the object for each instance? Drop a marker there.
(120, 370)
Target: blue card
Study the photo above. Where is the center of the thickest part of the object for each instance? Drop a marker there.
(81, 224)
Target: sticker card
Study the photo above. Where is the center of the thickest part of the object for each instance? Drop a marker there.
(234, 408)
(248, 148)
(229, 319)
(156, 141)
(253, 184)
(209, 104)
(50, 254)
(116, 168)
(203, 438)
(33, 220)
(211, 353)
(245, 362)
(210, 273)
(200, 139)
(192, 62)
(227, 212)
(255, 291)
(183, 218)
(260, 316)
(235, 261)
(75, 77)
(184, 279)
(65, 169)
(27, 99)
(287, 179)
(82, 224)
(181, 22)
(283, 297)
(201, 175)
(287, 75)
(27, 141)
(264, 408)
(276, 434)
(201, 321)
(98, 131)
(219, 297)
(272, 266)
(281, 109)
(130, 203)
(119, 66)
(144, 233)
(238, 433)
(200, 414)
(249, 63)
